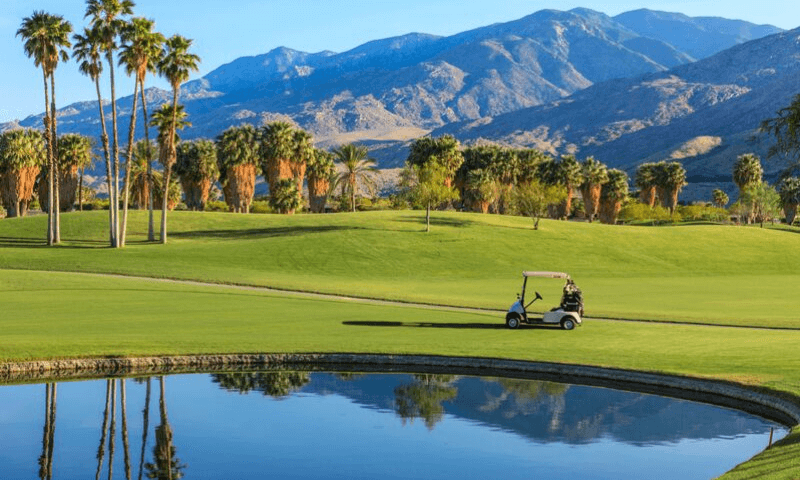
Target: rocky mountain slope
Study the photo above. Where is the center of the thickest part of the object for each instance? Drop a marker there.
(704, 113)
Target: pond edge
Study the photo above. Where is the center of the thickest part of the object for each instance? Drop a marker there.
(781, 407)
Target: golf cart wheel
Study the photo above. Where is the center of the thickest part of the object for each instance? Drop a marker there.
(568, 323)
(512, 321)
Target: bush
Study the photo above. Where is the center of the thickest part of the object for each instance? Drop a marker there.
(261, 206)
(216, 206)
(640, 213)
(705, 213)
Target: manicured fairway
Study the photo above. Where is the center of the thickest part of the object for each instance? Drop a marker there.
(705, 273)
(58, 315)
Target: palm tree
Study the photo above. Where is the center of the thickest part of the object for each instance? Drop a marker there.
(277, 148)
(747, 171)
(237, 158)
(595, 174)
(74, 153)
(320, 172)
(475, 158)
(107, 18)
(358, 170)
(87, 51)
(285, 198)
(303, 154)
(613, 192)
(46, 38)
(789, 191)
(197, 169)
(22, 155)
(719, 198)
(162, 119)
(645, 181)
(670, 180)
(141, 190)
(483, 189)
(175, 65)
(140, 54)
(506, 169)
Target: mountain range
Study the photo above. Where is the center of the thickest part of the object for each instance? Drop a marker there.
(638, 85)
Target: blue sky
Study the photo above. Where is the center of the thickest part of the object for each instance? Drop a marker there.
(226, 30)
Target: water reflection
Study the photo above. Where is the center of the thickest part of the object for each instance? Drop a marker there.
(424, 407)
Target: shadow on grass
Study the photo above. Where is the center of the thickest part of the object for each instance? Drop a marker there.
(27, 242)
(266, 232)
(459, 326)
(435, 221)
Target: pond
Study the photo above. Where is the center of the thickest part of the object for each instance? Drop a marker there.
(328, 425)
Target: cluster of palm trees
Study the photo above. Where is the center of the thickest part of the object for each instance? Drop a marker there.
(660, 182)
(113, 37)
(488, 176)
(759, 201)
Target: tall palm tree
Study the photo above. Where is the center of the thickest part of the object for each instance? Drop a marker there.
(789, 191)
(747, 171)
(595, 174)
(277, 148)
(475, 158)
(613, 192)
(197, 169)
(87, 51)
(107, 17)
(719, 198)
(74, 153)
(175, 65)
(357, 170)
(238, 160)
(140, 54)
(303, 154)
(46, 38)
(22, 155)
(646, 181)
(166, 464)
(670, 178)
(320, 172)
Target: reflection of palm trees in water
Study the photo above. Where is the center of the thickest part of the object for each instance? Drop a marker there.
(101, 452)
(527, 396)
(423, 398)
(48, 439)
(145, 425)
(109, 430)
(274, 384)
(166, 465)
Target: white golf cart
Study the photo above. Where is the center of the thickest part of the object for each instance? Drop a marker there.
(568, 314)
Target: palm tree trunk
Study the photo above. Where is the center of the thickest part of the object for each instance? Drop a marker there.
(131, 134)
(45, 434)
(145, 426)
(150, 228)
(53, 401)
(56, 203)
(50, 166)
(125, 444)
(353, 192)
(80, 191)
(168, 163)
(101, 454)
(114, 150)
(112, 433)
(106, 154)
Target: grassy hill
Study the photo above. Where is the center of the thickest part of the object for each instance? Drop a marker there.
(695, 273)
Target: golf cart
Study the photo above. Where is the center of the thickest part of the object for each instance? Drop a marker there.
(568, 314)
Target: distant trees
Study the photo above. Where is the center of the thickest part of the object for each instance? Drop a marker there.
(238, 160)
(719, 198)
(533, 198)
(196, 166)
(427, 185)
(22, 155)
(595, 174)
(74, 153)
(358, 171)
(647, 182)
(761, 201)
(789, 192)
(321, 172)
(612, 194)
(670, 180)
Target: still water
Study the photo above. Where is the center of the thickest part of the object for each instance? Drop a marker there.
(349, 426)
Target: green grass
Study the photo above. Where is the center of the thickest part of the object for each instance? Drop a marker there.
(703, 273)
(60, 315)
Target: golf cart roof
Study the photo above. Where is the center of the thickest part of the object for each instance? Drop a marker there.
(546, 274)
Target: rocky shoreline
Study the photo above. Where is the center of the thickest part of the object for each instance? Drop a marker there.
(784, 408)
